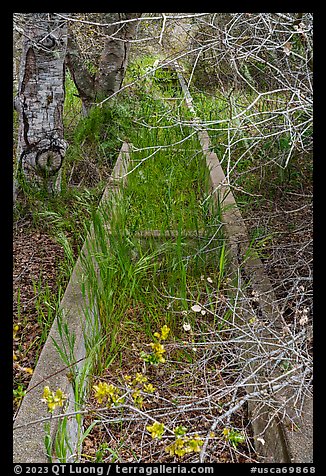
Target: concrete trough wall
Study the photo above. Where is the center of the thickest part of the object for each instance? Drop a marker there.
(28, 437)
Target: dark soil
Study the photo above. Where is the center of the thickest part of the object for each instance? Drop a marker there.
(36, 265)
(285, 227)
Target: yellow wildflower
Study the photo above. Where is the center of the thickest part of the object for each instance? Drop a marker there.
(157, 348)
(59, 397)
(158, 351)
(176, 448)
(140, 378)
(101, 391)
(194, 444)
(165, 332)
(28, 370)
(156, 430)
(46, 392)
(148, 388)
(105, 391)
(137, 398)
(15, 330)
(52, 399)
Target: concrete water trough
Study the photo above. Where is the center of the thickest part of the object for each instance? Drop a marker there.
(277, 442)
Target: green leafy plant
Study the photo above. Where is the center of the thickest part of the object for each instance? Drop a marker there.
(19, 393)
(61, 442)
(48, 441)
(122, 274)
(235, 437)
(182, 445)
(101, 452)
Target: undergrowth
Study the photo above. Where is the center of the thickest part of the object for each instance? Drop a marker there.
(157, 265)
(255, 145)
(134, 284)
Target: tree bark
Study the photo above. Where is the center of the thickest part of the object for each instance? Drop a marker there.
(84, 81)
(114, 58)
(113, 61)
(39, 102)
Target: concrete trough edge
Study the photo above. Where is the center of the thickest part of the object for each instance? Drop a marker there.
(28, 437)
(282, 444)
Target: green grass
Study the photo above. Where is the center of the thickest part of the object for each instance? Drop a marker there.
(65, 217)
(167, 189)
(135, 285)
(66, 212)
(145, 282)
(141, 284)
(168, 178)
(72, 107)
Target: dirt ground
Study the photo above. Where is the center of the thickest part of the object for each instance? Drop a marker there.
(36, 265)
(286, 230)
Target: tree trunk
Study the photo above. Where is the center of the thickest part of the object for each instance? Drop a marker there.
(114, 58)
(39, 102)
(84, 81)
(112, 65)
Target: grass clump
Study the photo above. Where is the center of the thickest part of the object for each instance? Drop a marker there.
(142, 281)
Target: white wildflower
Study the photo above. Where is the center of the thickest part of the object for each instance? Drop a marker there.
(196, 308)
(255, 296)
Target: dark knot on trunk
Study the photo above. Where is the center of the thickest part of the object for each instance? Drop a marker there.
(48, 43)
(49, 161)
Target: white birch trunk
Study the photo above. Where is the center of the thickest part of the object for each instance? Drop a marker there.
(41, 145)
